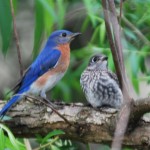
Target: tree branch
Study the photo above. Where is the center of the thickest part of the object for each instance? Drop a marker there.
(114, 37)
(88, 125)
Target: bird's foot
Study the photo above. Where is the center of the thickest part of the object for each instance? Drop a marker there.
(88, 105)
(55, 106)
(107, 109)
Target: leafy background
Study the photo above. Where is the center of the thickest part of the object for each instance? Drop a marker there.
(36, 19)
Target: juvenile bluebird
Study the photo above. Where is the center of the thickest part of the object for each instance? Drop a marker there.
(48, 68)
(101, 86)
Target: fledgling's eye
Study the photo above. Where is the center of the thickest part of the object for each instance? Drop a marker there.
(64, 34)
(95, 59)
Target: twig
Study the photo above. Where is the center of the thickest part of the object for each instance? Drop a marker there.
(50, 106)
(16, 38)
(27, 144)
(47, 144)
(120, 15)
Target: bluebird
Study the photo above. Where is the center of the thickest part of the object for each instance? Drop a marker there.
(100, 85)
(47, 69)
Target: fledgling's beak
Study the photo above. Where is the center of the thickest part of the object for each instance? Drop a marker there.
(104, 58)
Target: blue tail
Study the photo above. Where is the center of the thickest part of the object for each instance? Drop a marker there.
(9, 105)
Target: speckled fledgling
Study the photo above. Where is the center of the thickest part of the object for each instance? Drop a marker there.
(101, 86)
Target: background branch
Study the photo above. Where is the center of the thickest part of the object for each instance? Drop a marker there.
(114, 37)
(135, 30)
(16, 39)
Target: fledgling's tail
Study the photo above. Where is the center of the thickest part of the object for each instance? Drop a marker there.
(9, 105)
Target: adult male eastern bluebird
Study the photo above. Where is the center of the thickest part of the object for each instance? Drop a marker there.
(101, 86)
(48, 68)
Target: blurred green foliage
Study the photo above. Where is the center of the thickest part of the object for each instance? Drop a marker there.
(9, 141)
(52, 15)
(86, 16)
(50, 141)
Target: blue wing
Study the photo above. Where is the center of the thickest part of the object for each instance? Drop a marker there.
(42, 64)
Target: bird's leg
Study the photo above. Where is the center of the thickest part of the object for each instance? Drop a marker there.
(43, 95)
(88, 105)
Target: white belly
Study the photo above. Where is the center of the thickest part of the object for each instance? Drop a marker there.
(51, 82)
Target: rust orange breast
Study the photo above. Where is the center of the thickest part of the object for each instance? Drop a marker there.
(65, 57)
(61, 66)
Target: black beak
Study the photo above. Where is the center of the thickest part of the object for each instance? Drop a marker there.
(105, 58)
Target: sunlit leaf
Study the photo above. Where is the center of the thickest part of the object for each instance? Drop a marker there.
(134, 59)
(61, 7)
(53, 147)
(2, 139)
(135, 83)
(39, 27)
(49, 15)
(12, 142)
(102, 32)
(95, 34)
(51, 134)
(90, 11)
(85, 24)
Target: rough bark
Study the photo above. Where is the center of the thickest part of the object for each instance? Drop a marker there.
(88, 124)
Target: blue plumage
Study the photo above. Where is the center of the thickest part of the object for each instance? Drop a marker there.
(38, 68)
(46, 60)
(41, 65)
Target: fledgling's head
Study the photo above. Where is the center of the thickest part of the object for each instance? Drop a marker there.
(98, 62)
(62, 37)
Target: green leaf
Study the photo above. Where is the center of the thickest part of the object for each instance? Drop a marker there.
(53, 147)
(85, 24)
(2, 139)
(142, 64)
(5, 24)
(135, 82)
(39, 27)
(51, 134)
(134, 59)
(94, 36)
(61, 7)
(49, 16)
(90, 12)
(130, 34)
(12, 142)
(102, 32)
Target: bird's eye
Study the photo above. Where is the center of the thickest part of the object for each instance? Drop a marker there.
(64, 34)
(95, 59)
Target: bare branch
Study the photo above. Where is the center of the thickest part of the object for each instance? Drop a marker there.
(114, 36)
(16, 38)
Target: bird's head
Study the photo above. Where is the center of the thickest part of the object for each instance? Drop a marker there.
(62, 37)
(98, 62)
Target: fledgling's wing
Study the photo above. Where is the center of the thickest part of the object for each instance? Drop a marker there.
(113, 76)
